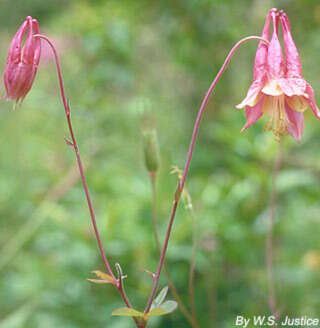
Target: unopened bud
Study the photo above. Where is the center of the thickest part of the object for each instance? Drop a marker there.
(22, 61)
(151, 150)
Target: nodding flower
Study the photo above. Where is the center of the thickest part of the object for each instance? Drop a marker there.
(278, 89)
(22, 61)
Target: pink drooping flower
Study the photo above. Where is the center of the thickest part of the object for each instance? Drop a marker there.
(22, 61)
(278, 89)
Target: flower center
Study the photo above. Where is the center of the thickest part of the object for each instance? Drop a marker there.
(274, 107)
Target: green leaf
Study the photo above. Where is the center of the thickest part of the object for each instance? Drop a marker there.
(156, 312)
(169, 306)
(160, 298)
(102, 275)
(104, 278)
(98, 281)
(166, 308)
(127, 312)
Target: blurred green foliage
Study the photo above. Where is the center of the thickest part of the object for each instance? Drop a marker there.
(115, 53)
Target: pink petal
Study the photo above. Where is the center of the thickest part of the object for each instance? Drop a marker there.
(293, 62)
(259, 68)
(14, 53)
(296, 126)
(252, 95)
(37, 52)
(253, 114)
(275, 64)
(311, 101)
(293, 86)
(32, 52)
(14, 57)
(29, 46)
(24, 71)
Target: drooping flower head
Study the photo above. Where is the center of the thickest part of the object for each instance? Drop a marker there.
(278, 89)
(22, 61)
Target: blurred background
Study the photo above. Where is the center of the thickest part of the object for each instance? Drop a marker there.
(119, 57)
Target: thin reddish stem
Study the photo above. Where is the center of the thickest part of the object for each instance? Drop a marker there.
(171, 284)
(74, 144)
(188, 161)
(76, 149)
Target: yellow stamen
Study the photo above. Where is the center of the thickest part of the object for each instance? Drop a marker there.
(274, 106)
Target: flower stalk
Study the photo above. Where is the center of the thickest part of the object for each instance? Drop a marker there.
(73, 143)
(188, 161)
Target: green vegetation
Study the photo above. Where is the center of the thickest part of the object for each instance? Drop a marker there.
(117, 57)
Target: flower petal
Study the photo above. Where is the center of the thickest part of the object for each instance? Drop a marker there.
(253, 114)
(259, 68)
(29, 45)
(253, 95)
(311, 101)
(297, 103)
(275, 64)
(14, 53)
(260, 61)
(14, 57)
(32, 52)
(293, 62)
(37, 52)
(293, 86)
(22, 62)
(296, 125)
(272, 88)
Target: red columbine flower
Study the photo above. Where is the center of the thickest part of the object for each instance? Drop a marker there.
(278, 89)
(22, 61)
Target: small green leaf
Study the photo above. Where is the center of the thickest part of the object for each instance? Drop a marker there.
(156, 312)
(98, 281)
(104, 278)
(127, 312)
(166, 308)
(160, 298)
(169, 306)
(102, 275)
